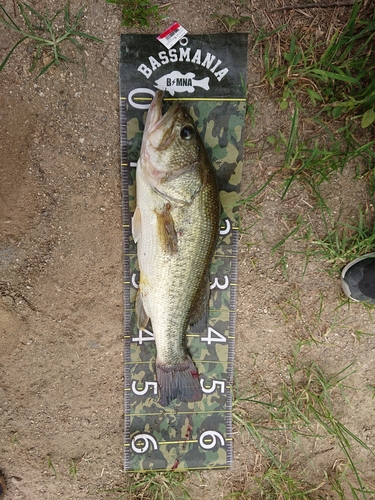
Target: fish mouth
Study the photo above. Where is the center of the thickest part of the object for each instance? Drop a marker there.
(155, 118)
(159, 132)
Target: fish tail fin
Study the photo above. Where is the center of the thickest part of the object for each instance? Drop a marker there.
(179, 381)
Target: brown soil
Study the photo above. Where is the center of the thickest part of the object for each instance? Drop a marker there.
(61, 392)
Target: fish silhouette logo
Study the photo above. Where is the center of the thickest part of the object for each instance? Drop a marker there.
(177, 82)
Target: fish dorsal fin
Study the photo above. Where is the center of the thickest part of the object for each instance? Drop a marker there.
(166, 229)
(136, 225)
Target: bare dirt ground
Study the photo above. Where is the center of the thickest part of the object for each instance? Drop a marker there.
(61, 391)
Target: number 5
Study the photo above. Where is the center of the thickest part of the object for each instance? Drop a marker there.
(147, 386)
(214, 385)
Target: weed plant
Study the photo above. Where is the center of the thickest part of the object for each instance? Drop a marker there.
(303, 414)
(230, 22)
(44, 32)
(140, 13)
(154, 486)
(338, 79)
(341, 75)
(342, 242)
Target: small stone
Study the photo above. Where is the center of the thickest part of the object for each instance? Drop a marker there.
(7, 300)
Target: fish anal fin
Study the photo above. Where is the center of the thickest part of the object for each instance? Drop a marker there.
(136, 225)
(180, 381)
(166, 229)
(140, 313)
(199, 315)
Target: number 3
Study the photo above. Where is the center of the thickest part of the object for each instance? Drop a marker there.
(216, 283)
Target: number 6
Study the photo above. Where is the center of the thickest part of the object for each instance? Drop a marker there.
(147, 439)
(214, 435)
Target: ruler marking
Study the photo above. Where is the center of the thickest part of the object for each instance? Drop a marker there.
(225, 252)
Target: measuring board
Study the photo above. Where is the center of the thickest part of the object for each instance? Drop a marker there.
(207, 73)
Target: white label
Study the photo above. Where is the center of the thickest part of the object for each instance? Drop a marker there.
(172, 35)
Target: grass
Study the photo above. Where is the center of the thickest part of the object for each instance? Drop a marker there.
(336, 78)
(154, 486)
(47, 38)
(140, 13)
(230, 22)
(342, 242)
(339, 74)
(51, 466)
(73, 469)
(302, 415)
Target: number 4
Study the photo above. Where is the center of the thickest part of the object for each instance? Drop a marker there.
(144, 336)
(213, 336)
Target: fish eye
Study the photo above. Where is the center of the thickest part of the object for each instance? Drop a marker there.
(187, 132)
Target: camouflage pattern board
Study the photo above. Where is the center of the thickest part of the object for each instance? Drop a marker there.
(207, 73)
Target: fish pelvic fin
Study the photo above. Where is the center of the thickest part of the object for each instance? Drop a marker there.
(140, 313)
(179, 381)
(136, 224)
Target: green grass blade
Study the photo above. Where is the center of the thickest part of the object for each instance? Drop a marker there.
(66, 16)
(78, 17)
(35, 12)
(86, 35)
(11, 52)
(26, 19)
(335, 76)
(46, 68)
(75, 43)
(9, 23)
(292, 138)
(37, 56)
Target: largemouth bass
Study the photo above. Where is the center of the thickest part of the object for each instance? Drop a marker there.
(175, 226)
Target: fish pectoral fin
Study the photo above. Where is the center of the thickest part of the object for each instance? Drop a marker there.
(199, 315)
(166, 229)
(137, 224)
(140, 313)
(180, 381)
